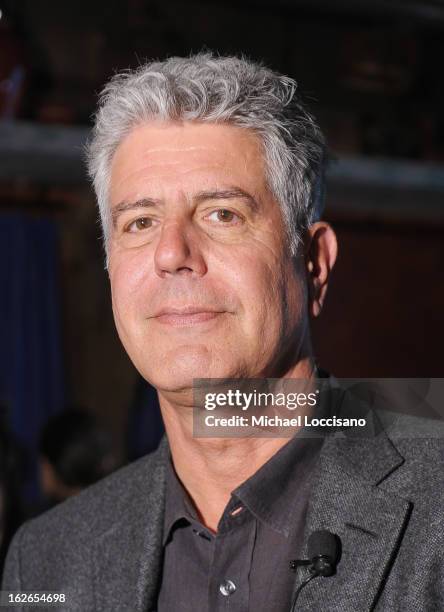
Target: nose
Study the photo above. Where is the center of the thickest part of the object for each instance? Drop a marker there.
(178, 251)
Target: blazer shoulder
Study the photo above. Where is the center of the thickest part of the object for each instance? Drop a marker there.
(55, 549)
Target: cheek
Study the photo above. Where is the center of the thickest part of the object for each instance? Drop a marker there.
(129, 278)
(260, 284)
(275, 297)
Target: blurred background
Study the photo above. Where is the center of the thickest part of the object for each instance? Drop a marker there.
(372, 73)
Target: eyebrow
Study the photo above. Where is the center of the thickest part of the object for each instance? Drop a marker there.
(122, 207)
(228, 194)
(202, 196)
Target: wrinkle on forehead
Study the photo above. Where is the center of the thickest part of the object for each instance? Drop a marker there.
(157, 171)
(216, 156)
(174, 140)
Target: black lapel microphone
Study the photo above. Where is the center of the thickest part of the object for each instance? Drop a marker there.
(324, 552)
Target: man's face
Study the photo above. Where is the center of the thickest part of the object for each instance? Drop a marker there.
(202, 283)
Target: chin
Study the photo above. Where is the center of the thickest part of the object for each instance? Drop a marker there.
(176, 370)
(182, 366)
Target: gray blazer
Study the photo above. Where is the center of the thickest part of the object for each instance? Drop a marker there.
(383, 495)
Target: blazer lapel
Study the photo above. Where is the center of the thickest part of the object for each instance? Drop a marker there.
(128, 557)
(348, 501)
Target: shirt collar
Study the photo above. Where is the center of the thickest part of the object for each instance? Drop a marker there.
(179, 506)
(273, 494)
(276, 491)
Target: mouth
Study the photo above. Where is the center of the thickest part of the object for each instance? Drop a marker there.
(186, 316)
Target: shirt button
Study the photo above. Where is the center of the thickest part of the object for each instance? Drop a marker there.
(227, 587)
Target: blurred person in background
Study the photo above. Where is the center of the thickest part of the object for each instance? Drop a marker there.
(11, 468)
(75, 452)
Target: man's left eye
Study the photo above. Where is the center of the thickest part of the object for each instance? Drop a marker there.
(224, 215)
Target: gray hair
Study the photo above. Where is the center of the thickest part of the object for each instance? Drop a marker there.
(233, 90)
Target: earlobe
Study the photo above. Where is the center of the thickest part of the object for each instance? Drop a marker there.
(317, 298)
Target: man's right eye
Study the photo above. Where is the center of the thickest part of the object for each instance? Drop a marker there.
(142, 223)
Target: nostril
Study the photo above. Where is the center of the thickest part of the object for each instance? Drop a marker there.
(184, 269)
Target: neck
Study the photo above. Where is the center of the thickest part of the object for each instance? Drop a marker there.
(211, 468)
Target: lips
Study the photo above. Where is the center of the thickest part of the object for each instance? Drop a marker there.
(185, 310)
(186, 315)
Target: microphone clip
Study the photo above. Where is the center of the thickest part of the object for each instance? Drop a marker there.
(321, 565)
(295, 563)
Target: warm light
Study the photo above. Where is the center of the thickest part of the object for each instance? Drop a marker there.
(1, 13)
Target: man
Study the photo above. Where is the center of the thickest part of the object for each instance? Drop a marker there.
(209, 178)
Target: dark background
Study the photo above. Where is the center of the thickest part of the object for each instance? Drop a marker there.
(372, 72)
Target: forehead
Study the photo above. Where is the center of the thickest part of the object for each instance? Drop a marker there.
(184, 155)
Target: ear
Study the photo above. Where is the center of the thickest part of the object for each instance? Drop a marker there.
(321, 249)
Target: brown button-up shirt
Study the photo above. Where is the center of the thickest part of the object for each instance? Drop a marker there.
(245, 565)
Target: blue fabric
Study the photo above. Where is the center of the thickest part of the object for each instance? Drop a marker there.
(31, 373)
(145, 425)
